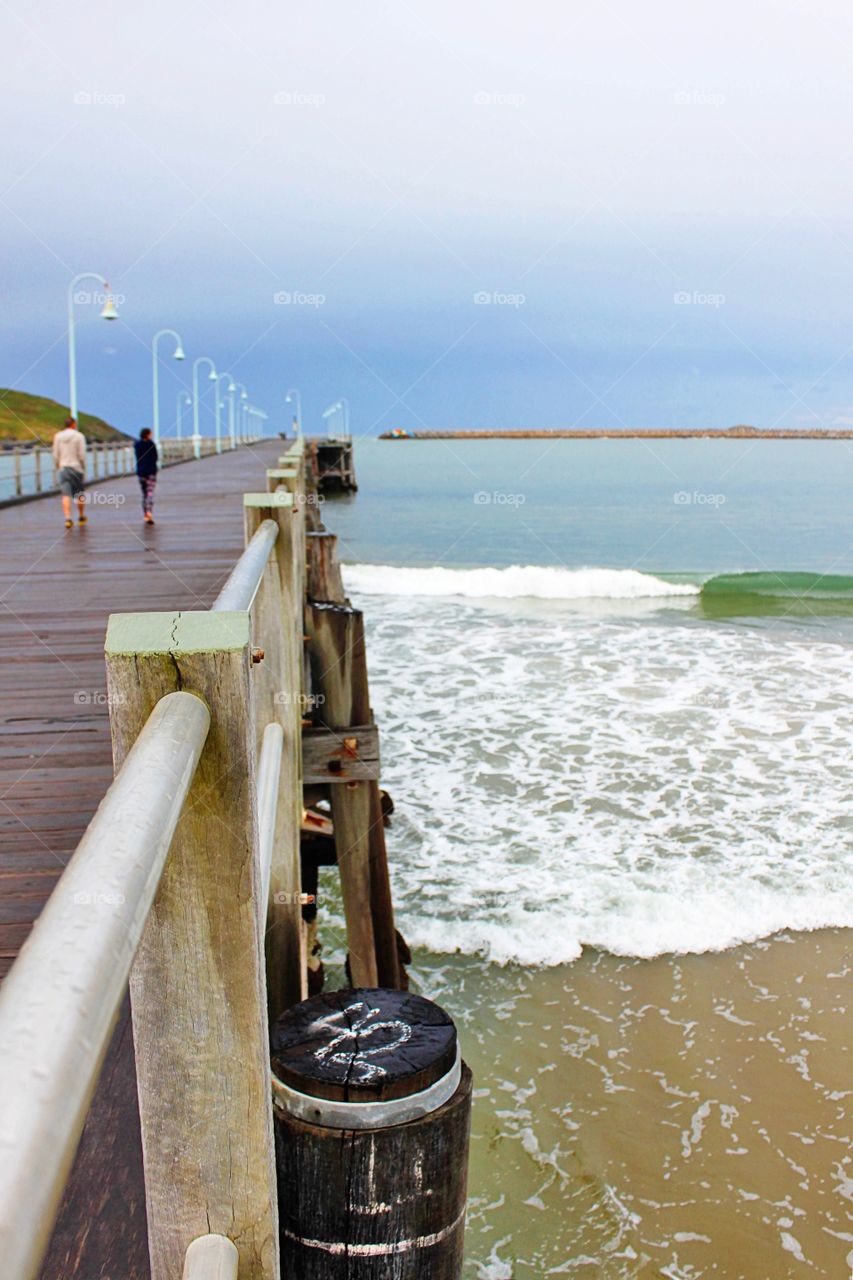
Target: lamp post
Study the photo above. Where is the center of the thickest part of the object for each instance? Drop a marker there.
(108, 312)
(294, 395)
(231, 388)
(184, 398)
(261, 417)
(244, 396)
(177, 354)
(341, 406)
(233, 421)
(212, 378)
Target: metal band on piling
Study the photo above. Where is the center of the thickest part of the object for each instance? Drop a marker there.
(367, 1115)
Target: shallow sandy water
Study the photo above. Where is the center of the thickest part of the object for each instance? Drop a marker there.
(680, 1117)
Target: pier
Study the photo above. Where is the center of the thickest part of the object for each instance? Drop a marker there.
(233, 708)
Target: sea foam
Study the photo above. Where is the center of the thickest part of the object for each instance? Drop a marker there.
(639, 786)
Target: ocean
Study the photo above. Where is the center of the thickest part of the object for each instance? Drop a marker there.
(613, 682)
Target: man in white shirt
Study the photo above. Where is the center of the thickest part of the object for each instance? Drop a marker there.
(69, 457)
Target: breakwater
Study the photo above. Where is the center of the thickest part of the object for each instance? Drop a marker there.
(644, 433)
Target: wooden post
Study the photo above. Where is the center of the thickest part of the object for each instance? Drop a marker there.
(339, 668)
(372, 1119)
(38, 469)
(324, 570)
(277, 630)
(19, 488)
(334, 635)
(282, 478)
(198, 994)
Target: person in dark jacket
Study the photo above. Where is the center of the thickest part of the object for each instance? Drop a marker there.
(147, 465)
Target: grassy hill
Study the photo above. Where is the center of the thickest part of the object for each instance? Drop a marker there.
(35, 418)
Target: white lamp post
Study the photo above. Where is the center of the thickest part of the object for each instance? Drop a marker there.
(231, 388)
(340, 406)
(293, 395)
(212, 378)
(183, 400)
(260, 418)
(108, 312)
(232, 422)
(177, 354)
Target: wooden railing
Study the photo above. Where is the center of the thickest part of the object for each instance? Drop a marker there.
(187, 884)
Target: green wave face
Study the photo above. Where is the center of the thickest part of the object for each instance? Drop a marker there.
(785, 586)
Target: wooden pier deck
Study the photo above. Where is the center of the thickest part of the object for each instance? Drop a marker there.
(57, 589)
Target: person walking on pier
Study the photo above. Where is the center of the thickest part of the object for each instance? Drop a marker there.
(69, 458)
(147, 465)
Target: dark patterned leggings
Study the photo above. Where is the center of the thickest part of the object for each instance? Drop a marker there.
(147, 484)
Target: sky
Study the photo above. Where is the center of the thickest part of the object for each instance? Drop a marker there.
(489, 215)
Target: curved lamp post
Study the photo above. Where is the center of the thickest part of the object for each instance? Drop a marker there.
(261, 418)
(108, 312)
(177, 354)
(293, 395)
(244, 396)
(231, 388)
(341, 406)
(212, 376)
(184, 398)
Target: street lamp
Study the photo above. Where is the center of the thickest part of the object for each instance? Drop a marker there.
(183, 400)
(341, 406)
(293, 394)
(211, 378)
(262, 418)
(108, 312)
(177, 354)
(231, 388)
(244, 395)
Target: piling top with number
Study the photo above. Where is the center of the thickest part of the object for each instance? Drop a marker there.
(363, 1046)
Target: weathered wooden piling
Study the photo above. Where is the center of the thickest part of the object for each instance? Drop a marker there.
(372, 1120)
(339, 670)
(324, 569)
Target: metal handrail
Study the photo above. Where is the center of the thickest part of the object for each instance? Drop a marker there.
(269, 775)
(59, 1002)
(244, 579)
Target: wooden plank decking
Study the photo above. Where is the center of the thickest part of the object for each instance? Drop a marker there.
(57, 589)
